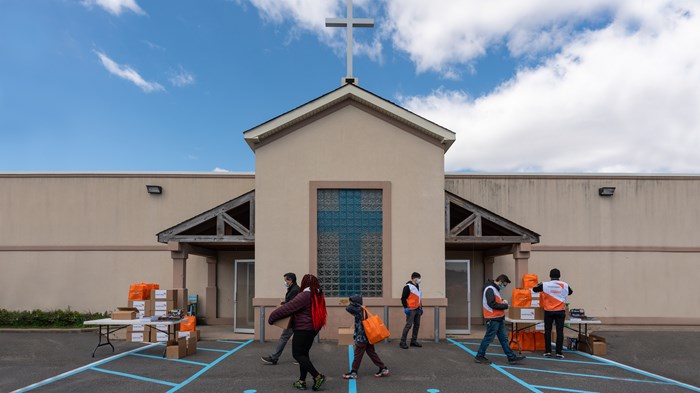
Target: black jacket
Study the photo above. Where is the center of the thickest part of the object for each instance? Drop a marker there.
(355, 309)
(292, 291)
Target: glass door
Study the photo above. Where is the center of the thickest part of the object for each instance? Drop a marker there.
(458, 297)
(244, 291)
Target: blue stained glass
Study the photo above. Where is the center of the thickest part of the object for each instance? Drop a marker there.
(349, 244)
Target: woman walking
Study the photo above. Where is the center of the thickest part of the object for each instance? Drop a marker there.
(308, 311)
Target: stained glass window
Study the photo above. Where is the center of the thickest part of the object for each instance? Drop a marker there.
(349, 244)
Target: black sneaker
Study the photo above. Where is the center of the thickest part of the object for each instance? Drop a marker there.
(482, 360)
(269, 360)
(301, 385)
(559, 356)
(384, 372)
(547, 354)
(350, 375)
(516, 359)
(416, 344)
(318, 381)
(403, 345)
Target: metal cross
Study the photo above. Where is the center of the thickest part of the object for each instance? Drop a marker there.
(349, 23)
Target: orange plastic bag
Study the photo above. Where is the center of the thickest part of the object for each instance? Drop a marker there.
(539, 341)
(141, 291)
(530, 281)
(375, 330)
(190, 325)
(513, 341)
(527, 341)
(521, 298)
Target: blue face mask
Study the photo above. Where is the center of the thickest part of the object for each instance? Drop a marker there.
(501, 287)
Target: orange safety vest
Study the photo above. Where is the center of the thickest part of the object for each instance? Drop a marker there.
(554, 295)
(490, 313)
(414, 298)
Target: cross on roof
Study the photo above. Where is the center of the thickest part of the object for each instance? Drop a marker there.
(349, 22)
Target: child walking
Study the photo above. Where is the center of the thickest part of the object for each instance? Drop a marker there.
(362, 345)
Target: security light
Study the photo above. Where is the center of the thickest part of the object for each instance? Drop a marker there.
(606, 191)
(154, 189)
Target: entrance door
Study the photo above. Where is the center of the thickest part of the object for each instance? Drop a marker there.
(243, 293)
(458, 297)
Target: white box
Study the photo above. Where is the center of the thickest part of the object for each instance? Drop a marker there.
(527, 313)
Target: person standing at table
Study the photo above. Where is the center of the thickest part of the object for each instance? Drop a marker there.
(411, 299)
(494, 308)
(553, 300)
(290, 282)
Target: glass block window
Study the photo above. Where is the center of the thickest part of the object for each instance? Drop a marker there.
(349, 244)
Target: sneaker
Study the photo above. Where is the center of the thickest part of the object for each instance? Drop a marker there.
(482, 360)
(295, 362)
(559, 356)
(516, 359)
(318, 381)
(301, 385)
(547, 354)
(269, 360)
(416, 344)
(403, 345)
(350, 375)
(383, 372)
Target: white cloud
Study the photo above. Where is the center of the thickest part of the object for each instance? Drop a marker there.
(116, 7)
(618, 99)
(221, 170)
(181, 78)
(128, 73)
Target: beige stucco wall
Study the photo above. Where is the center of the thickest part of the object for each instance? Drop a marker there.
(79, 240)
(350, 145)
(627, 257)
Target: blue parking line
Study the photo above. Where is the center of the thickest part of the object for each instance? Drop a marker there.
(211, 349)
(642, 372)
(80, 369)
(563, 389)
(499, 369)
(352, 383)
(207, 367)
(169, 359)
(140, 378)
(231, 341)
(585, 375)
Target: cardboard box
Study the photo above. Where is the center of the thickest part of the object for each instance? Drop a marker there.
(136, 328)
(123, 313)
(191, 345)
(136, 337)
(164, 294)
(194, 334)
(158, 336)
(527, 313)
(593, 344)
(345, 335)
(283, 323)
(143, 307)
(176, 349)
(161, 305)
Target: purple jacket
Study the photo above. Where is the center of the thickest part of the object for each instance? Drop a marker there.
(300, 310)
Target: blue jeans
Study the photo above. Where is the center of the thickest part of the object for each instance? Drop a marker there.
(495, 327)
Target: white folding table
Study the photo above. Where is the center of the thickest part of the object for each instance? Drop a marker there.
(528, 323)
(108, 326)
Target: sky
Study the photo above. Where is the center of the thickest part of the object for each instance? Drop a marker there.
(594, 86)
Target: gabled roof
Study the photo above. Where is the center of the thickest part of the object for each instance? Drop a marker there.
(469, 223)
(257, 135)
(231, 223)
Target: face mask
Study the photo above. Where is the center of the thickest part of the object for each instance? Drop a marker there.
(286, 284)
(417, 280)
(501, 287)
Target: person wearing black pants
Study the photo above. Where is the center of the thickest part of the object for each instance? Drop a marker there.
(411, 299)
(553, 299)
(301, 345)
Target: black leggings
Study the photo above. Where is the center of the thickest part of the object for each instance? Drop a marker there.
(301, 344)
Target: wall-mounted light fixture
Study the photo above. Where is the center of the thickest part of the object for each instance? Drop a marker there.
(154, 189)
(606, 191)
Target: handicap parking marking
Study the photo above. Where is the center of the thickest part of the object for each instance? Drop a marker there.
(81, 369)
(594, 360)
(135, 352)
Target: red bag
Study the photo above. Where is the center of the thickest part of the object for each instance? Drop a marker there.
(530, 281)
(521, 298)
(375, 330)
(190, 325)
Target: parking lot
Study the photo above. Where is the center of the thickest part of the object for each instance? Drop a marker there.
(637, 361)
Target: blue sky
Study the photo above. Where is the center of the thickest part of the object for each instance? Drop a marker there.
(537, 86)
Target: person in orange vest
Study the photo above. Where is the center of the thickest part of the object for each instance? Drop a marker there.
(411, 298)
(494, 308)
(553, 300)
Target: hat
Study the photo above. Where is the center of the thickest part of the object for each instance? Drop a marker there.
(554, 273)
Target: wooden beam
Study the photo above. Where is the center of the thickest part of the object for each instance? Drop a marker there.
(483, 239)
(236, 225)
(212, 239)
(465, 223)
